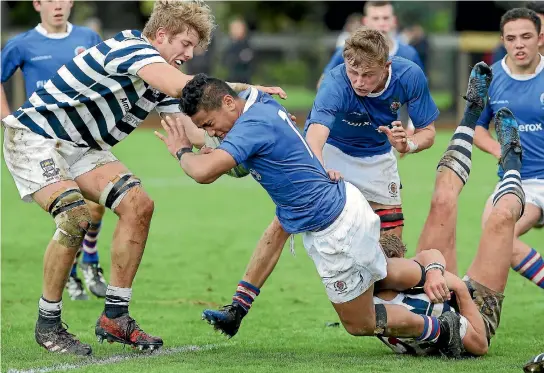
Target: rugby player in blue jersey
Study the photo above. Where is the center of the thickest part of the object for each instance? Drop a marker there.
(380, 16)
(39, 53)
(518, 84)
(353, 127)
(57, 149)
(340, 230)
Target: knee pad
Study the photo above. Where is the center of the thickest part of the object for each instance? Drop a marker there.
(117, 189)
(390, 218)
(381, 319)
(72, 218)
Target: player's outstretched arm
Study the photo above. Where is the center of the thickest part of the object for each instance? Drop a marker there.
(203, 168)
(485, 142)
(475, 340)
(165, 78)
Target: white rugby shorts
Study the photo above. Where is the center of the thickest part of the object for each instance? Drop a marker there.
(377, 177)
(347, 254)
(35, 161)
(534, 194)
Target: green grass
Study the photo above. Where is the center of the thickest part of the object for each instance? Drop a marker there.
(300, 98)
(201, 239)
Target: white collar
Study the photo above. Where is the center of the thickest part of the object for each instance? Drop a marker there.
(386, 84)
(61, 35)
(253, 93)
(522, 77)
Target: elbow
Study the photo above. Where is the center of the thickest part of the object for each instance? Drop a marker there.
(203, 177)
(479, 346)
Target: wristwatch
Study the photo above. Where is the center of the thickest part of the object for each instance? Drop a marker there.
(182, 151)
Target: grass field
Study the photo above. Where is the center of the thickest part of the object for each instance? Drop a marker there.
(201, 239)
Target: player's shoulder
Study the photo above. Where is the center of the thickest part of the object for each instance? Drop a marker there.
(128, 35)
(335, 80)
(498, 68)
(402, 65)
(260, 108)
(405, 72)
(22, 38)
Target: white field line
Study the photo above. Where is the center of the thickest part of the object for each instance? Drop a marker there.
(115, 359)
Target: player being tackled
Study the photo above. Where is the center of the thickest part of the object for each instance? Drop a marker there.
(468, 320)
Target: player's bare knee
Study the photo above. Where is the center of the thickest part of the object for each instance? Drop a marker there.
(362, 328)
(502, 216)
(137, 206)
(361, 325)
(442, 203)
(72, 217)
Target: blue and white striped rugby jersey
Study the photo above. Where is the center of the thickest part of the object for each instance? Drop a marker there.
(96, 99)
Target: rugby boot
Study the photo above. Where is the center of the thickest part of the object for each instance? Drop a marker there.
(125, 330)
(227, 319)
(57, 339)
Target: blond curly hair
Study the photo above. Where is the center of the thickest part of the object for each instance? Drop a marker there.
(392, 245)
(366, 47)
(177, 16)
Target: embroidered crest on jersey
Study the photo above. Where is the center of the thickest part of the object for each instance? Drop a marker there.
(395, 105)
(80, 49)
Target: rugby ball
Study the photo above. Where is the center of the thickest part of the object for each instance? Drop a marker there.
(214, 142)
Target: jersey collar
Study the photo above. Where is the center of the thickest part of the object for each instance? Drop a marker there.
(521, 77)
(253, 93)
(377, 94)
(61, 35)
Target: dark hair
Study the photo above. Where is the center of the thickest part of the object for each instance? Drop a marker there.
(203, 93)
(535, 6)
(521, 13)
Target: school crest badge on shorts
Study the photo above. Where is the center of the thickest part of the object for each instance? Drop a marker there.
(340, 287)
(50, 168)
(393, 189)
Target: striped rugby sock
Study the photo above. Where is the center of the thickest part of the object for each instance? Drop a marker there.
(510, 184)
(117, 300)
(90, 253)
(431, 329)
(532, 268)
(245, 295)
(458, 156)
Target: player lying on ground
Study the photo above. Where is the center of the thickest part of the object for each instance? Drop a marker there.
(479, 296)
(57, 148)
(340, 230)
(266, 255)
